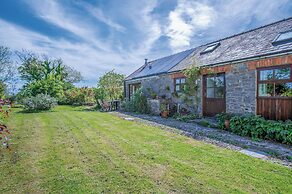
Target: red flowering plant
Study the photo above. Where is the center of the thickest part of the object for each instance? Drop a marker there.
(5, 109)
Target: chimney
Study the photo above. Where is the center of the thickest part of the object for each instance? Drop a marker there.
(146, 61)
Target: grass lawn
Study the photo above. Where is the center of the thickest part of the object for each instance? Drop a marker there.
(69, 150)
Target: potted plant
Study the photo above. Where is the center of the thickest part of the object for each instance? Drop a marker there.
(224, 120)
(164, 110)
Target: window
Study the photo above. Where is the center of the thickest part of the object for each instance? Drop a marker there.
(133, 88)
(210, 48)
(215, 86)
(275, 82)
(179, 84)
(283, 38)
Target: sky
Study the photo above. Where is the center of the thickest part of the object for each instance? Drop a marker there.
(96, 36)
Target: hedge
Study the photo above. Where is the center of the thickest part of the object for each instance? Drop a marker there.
(257, 127)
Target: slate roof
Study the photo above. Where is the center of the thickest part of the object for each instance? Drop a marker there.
(252, 43)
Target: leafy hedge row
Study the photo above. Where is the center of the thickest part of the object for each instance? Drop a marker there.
(257, 127)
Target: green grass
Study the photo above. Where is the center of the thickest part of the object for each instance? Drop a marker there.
(69, 150)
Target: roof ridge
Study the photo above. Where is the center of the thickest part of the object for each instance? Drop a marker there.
(247, 31)
(172, 54)
(234, 35)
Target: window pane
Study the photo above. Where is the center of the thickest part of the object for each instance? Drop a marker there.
(283, 73)
(177, 81)
(219, 81)
(266, 89)
(177, 88)
(283, 89)
(210, 93)
(183, 80)
(219, 92)
(266, 74)
(210, 82)
(284, 36)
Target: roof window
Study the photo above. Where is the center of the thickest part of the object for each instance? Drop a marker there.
(210, 48)
(283, 37)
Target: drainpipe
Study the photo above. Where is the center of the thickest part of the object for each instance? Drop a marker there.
(125, 91)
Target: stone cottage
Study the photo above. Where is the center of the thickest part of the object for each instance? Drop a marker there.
(250, 72)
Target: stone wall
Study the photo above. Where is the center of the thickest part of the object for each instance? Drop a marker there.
(240, 89)
(163, 87)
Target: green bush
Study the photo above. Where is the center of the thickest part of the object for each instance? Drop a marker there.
(221, 119)
(185, 118)
(39, 102)
(138, 103)
(257, 127)
(78, 96)
(49, 86)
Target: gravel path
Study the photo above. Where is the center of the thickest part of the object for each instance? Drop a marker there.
(266, 150)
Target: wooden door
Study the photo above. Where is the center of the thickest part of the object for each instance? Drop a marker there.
(214, 94)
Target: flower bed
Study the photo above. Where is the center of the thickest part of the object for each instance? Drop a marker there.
(257, 127)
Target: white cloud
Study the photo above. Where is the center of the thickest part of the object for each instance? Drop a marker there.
(188, 18)
(98, 14)
(94, 54)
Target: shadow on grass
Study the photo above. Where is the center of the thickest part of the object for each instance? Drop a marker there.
(31, 112)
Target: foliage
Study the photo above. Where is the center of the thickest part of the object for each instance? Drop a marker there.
(192, 74)
(45, 76)
(7, 68)
(221, 119)
(167, 88)
(287, 93)
(138, 103)
(112, 85)
(35, 68)
(39, 102)
(163, 106)
(190, 90)
(257, 127)
(5, 109)
(185, 118)
(99, 94)
(204, 123)
(49, 86)
(78, 96)
(2, 89)
(151, 92)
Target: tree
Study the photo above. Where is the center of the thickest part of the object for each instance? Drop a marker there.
(7, 68)
(71, 75)
(111, 83)
(45, 76)
(34, 68)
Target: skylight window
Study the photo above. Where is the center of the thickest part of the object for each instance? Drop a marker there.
(210, 48)
(283, 38)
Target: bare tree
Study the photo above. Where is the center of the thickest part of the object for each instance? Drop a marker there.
(7, 68)
(8, 71)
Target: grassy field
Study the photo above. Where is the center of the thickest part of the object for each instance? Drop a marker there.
(70, 150)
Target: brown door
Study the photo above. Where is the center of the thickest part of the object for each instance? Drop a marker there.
(214, 94)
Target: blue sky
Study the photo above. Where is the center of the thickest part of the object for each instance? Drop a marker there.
(95, 36)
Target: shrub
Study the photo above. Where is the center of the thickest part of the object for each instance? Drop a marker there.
(204, 123)
(221, 119)
(39, 102)
(257, 127)
(185, 118)
(138, 103)
(78, 96)
(5, 109)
